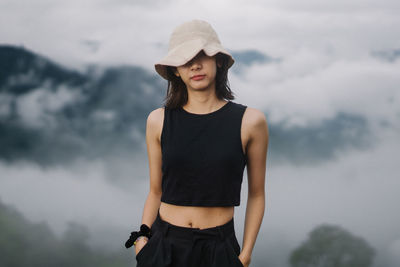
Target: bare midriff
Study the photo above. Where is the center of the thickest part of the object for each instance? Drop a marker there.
(195, 217)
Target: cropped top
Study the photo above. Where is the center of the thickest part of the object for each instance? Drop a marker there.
(202, 156)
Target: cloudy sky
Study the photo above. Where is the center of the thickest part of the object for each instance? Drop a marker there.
(336, 60)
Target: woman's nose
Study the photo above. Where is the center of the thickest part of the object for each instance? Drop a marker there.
(195, 65)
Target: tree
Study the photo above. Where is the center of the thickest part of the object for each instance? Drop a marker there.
(332, 246)
(24, 243)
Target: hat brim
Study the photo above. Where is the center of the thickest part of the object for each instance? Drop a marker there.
(183, 53)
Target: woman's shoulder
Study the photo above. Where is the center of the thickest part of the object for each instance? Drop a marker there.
(253, 117)
(155, 114)
(156, 117)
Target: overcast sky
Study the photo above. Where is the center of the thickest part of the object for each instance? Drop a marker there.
(115, 31)
(335, 59)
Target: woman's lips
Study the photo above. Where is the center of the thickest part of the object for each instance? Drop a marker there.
(198, 77)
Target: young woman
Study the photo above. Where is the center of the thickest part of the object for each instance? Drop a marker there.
(198, 145)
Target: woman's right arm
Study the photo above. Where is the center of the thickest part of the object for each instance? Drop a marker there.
(153, 132)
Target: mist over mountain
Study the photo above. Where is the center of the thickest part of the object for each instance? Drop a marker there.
(250, 56)
(23, 71)
(50, 114)
(389, 55)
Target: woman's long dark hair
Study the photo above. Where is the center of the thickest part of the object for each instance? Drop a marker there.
(177, 95)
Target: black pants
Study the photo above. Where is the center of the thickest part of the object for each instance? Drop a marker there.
(176, 246)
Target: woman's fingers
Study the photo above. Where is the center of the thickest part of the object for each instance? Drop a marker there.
(140, 244)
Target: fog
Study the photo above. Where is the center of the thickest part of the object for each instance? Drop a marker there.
(327, 81)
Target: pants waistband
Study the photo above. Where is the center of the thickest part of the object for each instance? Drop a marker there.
(221, 231)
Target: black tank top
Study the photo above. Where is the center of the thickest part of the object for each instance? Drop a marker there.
(202, 156)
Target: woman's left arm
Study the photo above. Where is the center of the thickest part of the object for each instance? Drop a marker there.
(256, 151)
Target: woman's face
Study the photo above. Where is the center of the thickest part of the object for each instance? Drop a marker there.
(199, 73)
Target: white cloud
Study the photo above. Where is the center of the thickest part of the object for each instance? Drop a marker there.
(37, 107)
(5, 104)
(310, 87)
(394, 250)
(81, 193)
(138, 33)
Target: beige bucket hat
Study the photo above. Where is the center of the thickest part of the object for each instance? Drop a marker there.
(186, 41)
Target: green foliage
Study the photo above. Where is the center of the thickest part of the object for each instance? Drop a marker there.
(332, 246)
(25, 244)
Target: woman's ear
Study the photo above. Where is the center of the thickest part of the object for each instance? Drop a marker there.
(176, 72)
(218, 60)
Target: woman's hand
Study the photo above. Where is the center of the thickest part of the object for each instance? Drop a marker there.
(245, 260)
(140, 244)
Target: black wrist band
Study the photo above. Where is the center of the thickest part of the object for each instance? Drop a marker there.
(144, 230)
